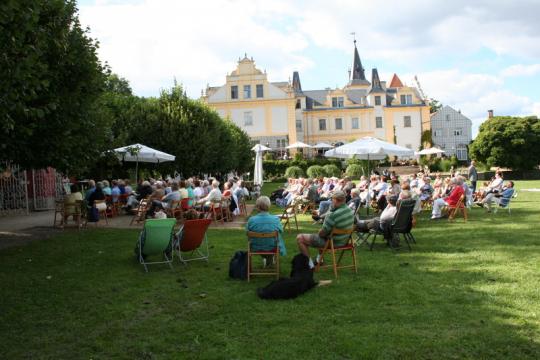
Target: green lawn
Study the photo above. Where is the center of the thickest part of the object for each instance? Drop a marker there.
(467, 290)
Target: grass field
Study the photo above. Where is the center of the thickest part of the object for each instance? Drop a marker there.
(467, 290)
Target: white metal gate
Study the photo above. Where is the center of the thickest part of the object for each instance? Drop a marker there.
(46, 187)
(13, 189)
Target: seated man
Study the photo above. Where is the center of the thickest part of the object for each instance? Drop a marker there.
(451, 200)
(264, 222)
(502, 198)
(340, 217)
(378, 223)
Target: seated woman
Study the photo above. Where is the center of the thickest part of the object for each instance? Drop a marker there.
(71, 205)
(264, 222)
(93, 211)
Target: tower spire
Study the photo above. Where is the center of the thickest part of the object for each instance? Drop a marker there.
(376, 85)
(358, 76)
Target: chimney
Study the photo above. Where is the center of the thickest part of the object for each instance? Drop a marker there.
(490, 114)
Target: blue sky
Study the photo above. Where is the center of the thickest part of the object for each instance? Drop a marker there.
(473, 56)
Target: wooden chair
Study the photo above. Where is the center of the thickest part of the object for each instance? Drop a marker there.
(226, 209)
(101, 205)
(172, 209)
(215, 212)
(179, 211)
(140, 212)
(330, 247)
(289, 213)
(454, 210)
(59, 209)
(242, 206)
(309, 206)
(274, 252)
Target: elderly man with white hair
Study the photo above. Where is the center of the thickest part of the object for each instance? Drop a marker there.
(213, 196)
(456, 185)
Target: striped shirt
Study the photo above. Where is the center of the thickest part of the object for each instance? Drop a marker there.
(341, 218)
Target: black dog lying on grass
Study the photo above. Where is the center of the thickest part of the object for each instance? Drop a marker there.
(301, 280)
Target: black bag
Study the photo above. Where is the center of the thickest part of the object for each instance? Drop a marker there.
(238, 265)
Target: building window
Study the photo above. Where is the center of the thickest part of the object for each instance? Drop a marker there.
(281, 143)
(406, 121)
(378, 122)
(299, 124)
(337, 102)
(339, 123)
(461, 154)
(406, 99)
(458, 132)
(322, 124)
(354, 123)
(234, 92)
(260, 91)
(298, 104)
(437, 133)
(248, 118)
(377, 100)
(408, 146)
(447, 117)
(247, 91)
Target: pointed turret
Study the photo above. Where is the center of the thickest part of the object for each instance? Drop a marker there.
(376, 86)
(395, 82)
(297, 86)
(358, 76)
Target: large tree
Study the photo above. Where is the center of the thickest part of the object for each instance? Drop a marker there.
(505, 141)
(50, 79)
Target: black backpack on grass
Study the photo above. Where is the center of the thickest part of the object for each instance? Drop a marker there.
(238, 266)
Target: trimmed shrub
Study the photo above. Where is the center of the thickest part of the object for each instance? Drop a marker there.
(316, 171)
(332, 170)
(354, 171)
(294, 172)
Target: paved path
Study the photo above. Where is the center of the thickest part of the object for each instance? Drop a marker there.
(21, 229)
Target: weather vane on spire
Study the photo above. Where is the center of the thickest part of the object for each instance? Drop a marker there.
(354, 37)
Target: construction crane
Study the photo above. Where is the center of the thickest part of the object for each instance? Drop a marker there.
(425, 98)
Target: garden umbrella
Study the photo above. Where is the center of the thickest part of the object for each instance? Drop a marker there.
(369, 148)
(429, 151)
(258, 172)
(142, 153)
(322, 145)
(298, 145)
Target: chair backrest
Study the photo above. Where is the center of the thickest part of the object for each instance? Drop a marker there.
(341, 232)
(158, 233)
(193, 234)
(403, 218)
(184, 203)
(258, 235)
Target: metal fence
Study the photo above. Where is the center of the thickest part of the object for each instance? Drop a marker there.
(22, 191)
(13, 189)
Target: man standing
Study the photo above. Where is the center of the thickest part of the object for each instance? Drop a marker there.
(473, 175)
(339, 217)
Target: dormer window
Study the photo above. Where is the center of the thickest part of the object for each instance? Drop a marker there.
(377, 100)
(406, 99)
(337, 102)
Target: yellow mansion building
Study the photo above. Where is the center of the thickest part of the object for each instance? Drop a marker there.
(281, 113)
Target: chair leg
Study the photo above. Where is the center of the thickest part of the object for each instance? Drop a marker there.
(354, 260)
(248, 265)
(296, 222)
(334, 259)
(277, 265)
(372, 242)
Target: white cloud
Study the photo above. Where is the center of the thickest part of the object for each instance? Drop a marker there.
(521, 70)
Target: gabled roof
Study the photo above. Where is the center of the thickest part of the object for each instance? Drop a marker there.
(358, 76)
(396, 82)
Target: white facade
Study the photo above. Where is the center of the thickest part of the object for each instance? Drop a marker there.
(451, 131)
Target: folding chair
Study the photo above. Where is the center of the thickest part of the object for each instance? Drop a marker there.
(460, 206)
(215, 211)
(507, 206)
(193, 238)
(274, 251)
(331, 247)
(156, 239)
(140, 212)
(59, 210)
(401, 224)
(242, 206)
(289, 213)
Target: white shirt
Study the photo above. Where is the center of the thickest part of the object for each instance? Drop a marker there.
(389, 213)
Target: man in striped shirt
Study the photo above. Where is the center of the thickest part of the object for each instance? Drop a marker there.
(340, 217)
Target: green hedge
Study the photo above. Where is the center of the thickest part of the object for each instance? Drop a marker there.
(332, 170)
(277, 168)
(316, 171)
(354, 171)
(294, 172)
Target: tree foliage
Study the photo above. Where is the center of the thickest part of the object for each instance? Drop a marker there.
(434, 105)
(294, 172)
(332, 170)
(512, 142)
(316, 171)
(50, 78)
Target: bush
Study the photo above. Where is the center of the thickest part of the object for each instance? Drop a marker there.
(269, 156)
(316, 171)
(298, 156)
(294, 172)
(332, 170)
(354, 171)
(445, 165)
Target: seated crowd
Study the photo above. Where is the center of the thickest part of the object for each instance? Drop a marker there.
(161, 196)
